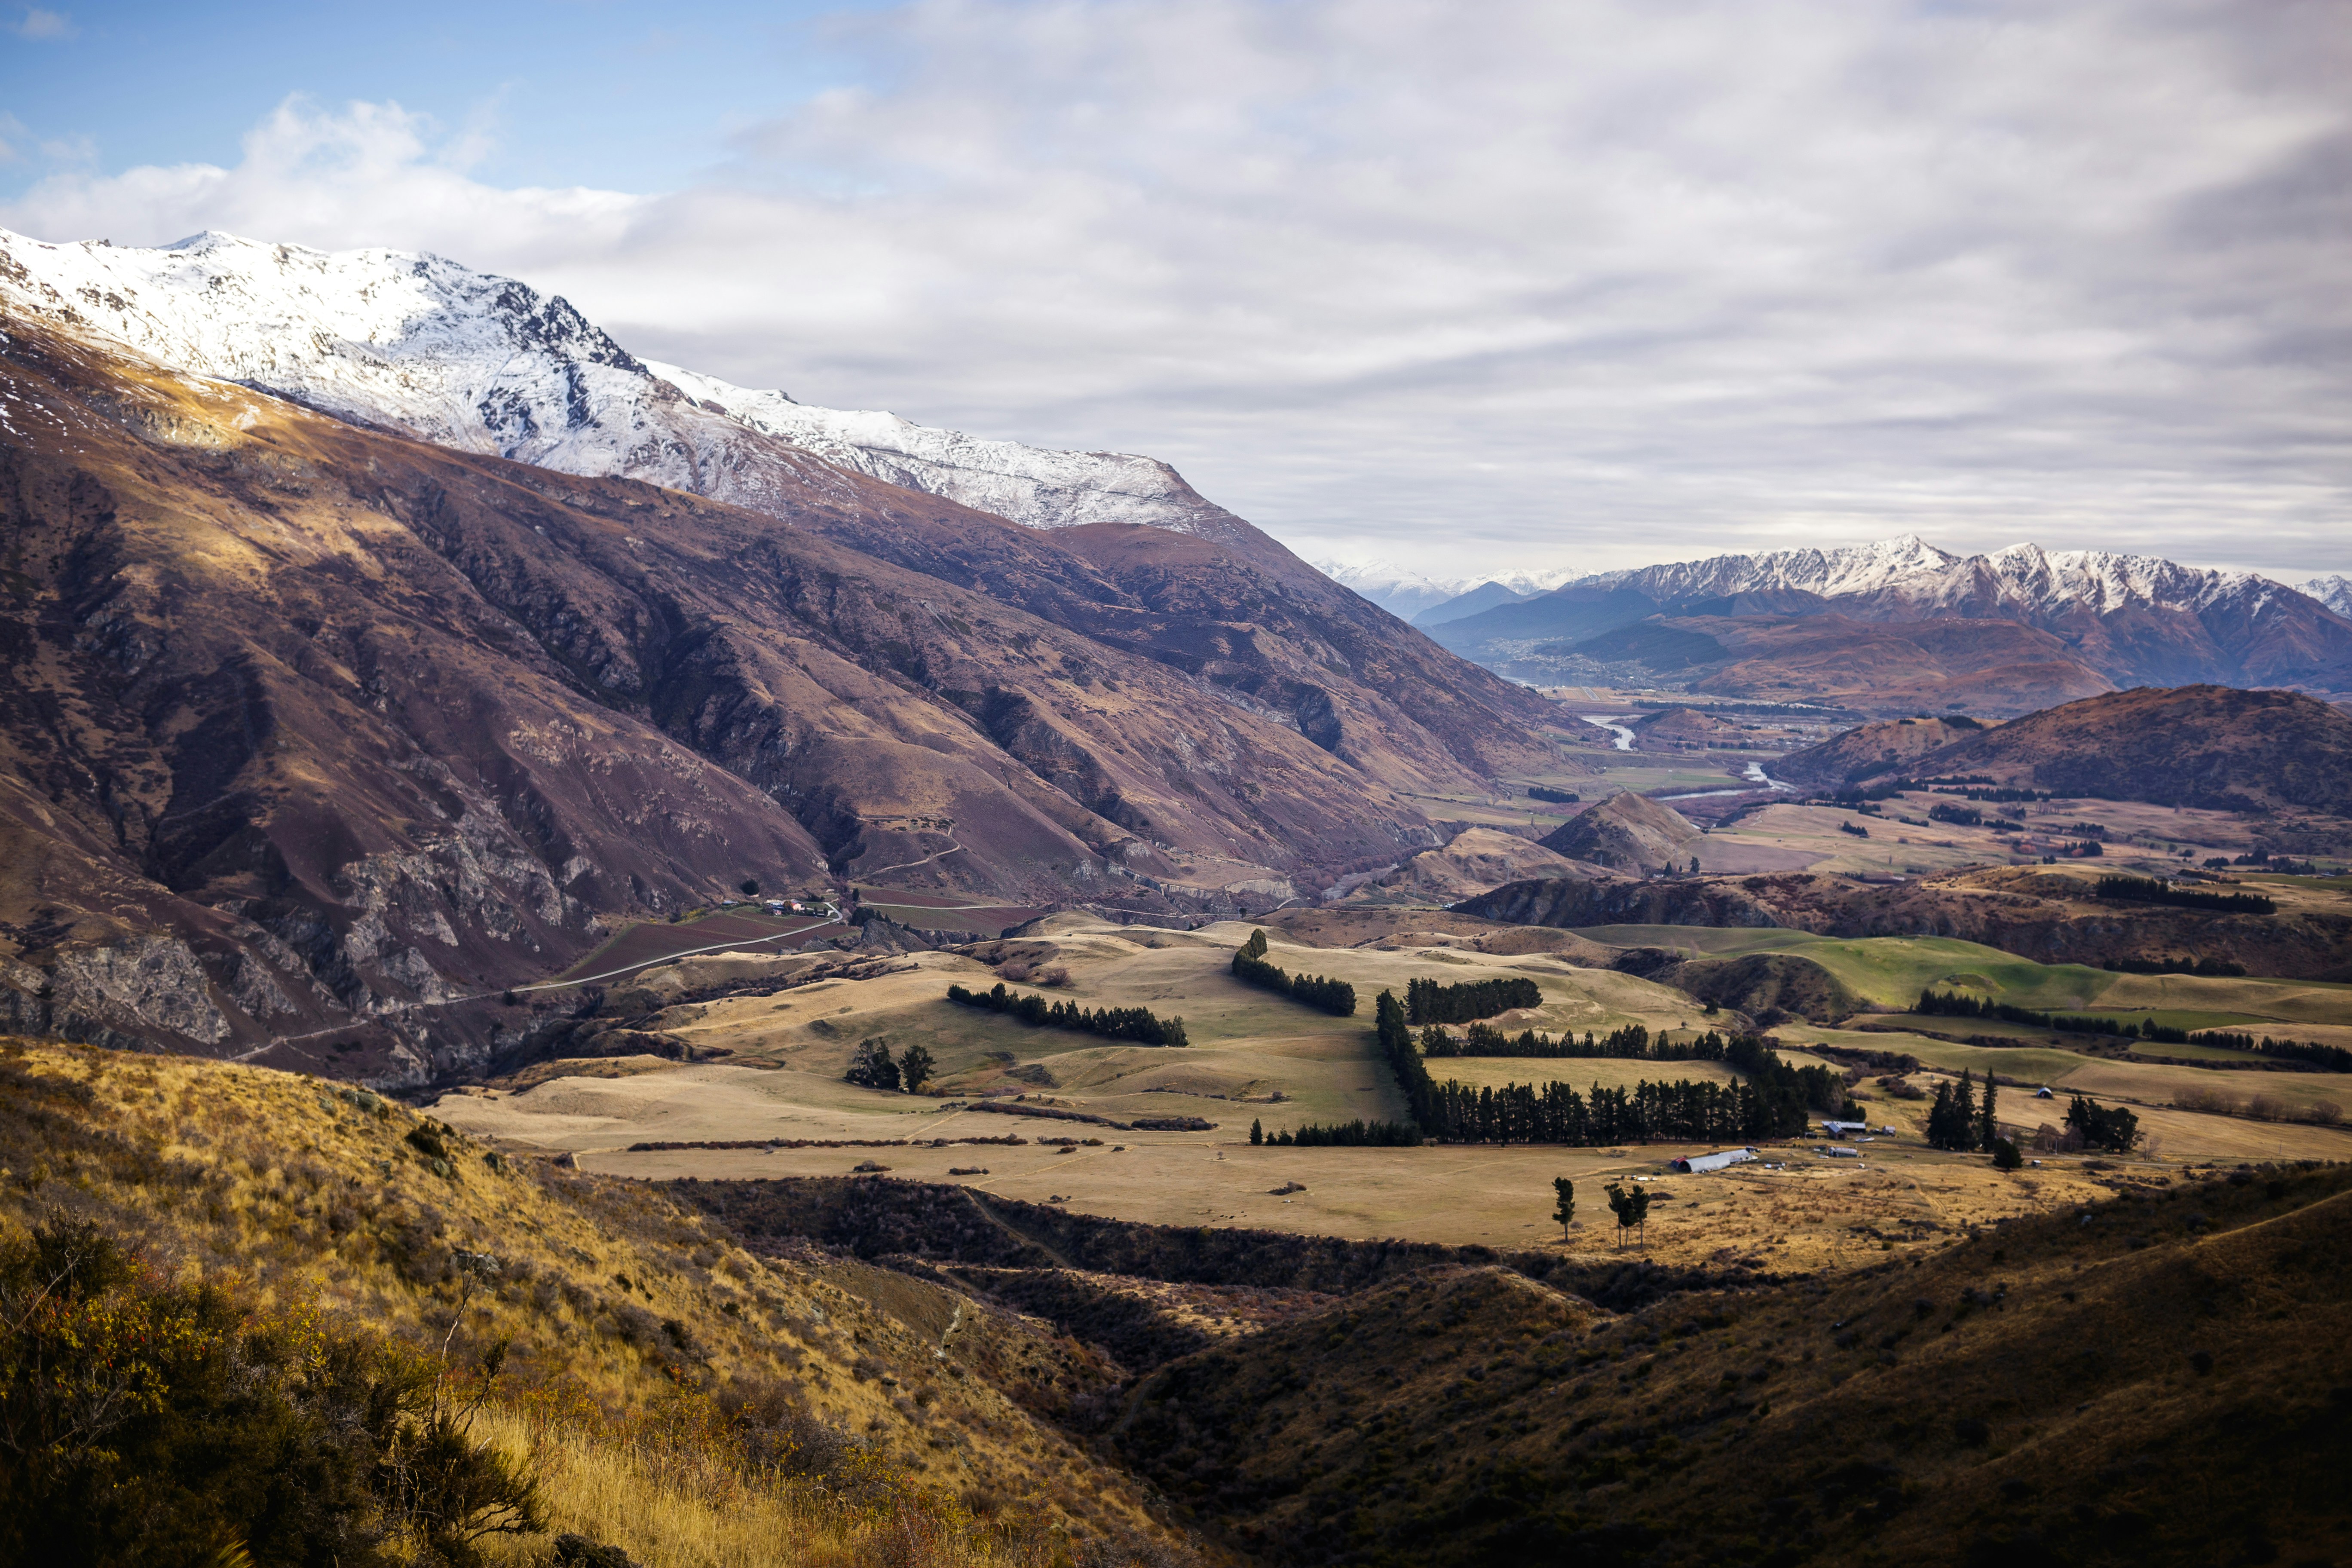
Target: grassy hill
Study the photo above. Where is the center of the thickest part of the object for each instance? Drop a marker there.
(2154, 1379)
(670, 1392)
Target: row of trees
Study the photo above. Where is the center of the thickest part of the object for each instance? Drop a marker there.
(871, 1065)
(1429, 1002)
(1632, 1043)
(2326, 1058)
(1335, 997)
(2154, 890)
(1356, 1134)
(1138, 1025)
(1952, 1005)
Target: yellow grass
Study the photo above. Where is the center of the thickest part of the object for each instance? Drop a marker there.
(684, 1508)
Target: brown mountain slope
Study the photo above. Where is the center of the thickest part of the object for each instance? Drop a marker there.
(1627, 832)
(2153, 1380)
(2187, 745)
(307, 725)
(1867, 750)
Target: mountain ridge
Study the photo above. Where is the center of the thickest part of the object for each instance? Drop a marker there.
(2135, 619)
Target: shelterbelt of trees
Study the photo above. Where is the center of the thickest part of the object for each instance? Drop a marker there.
(1772, 1100)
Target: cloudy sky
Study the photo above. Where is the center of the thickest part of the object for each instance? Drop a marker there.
(1463, 286)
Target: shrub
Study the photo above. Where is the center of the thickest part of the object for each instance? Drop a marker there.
(145, 1421)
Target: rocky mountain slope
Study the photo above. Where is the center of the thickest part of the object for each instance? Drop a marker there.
(2133, 619)
(1989, 666)
(313, 728)
(313, 722)
(2190, 745)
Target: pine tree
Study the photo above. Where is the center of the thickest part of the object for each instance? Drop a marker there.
(1564, 1210)
(915, 1069)
(1257, 1132)
(1632, 1206)
(1987, 1130)
(1256, 946)
(1964, 1113)
(871, 1065)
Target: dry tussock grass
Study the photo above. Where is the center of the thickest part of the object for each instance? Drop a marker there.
(669, 1382)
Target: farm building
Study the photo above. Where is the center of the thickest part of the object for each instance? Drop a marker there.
(1695, 1164)
(1841, 1129)
(1838, 1152)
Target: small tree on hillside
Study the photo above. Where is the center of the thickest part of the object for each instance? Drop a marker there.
(1256, 946)
(915, 1069)
(871, 1065)
(2005, 1156)
(1632, 1206)
(1257, 1132)
(1564, 1210)
(1987, 1133)
(750, 887)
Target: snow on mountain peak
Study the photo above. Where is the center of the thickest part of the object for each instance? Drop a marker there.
(417, 343)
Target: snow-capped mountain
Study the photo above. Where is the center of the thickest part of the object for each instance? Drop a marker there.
(2336, 592)
(424, 346)
(2136, 618)
(1912, 573)
(1404, 592)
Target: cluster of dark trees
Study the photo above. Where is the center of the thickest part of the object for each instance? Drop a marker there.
(1771, 1101)
(870, 1065)
(1952, 1005)
(1139, 1024)
(1632, 1043)
(2326, 1058)
(1356, 1134)
(1556, 796)
(1957, 1121)
(1428, 1002)
(2109, 1127)
(1335, 997)
(2219, 968)
(1857, 828)
(1556, 1113)
(2154, 890)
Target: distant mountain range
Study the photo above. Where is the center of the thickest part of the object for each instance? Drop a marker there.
(2100, 620)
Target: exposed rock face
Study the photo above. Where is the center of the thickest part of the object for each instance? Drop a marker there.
(364, 731)
(2190, 745)
(1627, 833)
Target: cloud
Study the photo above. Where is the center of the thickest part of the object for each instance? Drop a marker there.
(45, 27)
(1527, 283)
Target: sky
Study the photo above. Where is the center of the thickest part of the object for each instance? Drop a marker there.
(1466, 287)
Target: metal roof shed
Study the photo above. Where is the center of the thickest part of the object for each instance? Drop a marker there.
(1695, 1164)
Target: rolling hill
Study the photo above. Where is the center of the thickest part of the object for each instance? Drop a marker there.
(2191, 745)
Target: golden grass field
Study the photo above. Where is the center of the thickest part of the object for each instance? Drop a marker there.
(1259, 1057)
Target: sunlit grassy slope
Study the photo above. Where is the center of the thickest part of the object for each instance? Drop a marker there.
(632, 1319)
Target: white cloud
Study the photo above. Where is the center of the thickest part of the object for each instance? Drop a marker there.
(45, 27)
(1524, 282)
